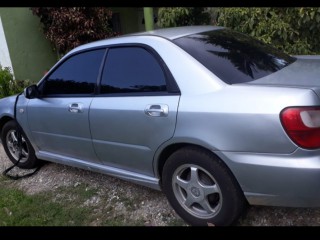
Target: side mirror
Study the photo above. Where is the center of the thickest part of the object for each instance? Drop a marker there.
(31, 92)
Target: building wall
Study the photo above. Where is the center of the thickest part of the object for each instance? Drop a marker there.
(132, 19)
(129, 19)
(31, 54)
(5, 60)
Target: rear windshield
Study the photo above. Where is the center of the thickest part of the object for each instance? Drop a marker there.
(232, 56)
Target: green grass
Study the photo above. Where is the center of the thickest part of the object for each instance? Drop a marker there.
(63, 206)
(75, 195)
(77, 205)
(19, 209)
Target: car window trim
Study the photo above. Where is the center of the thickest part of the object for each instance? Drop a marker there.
(172, 87)
(137, 94)
(40, 85)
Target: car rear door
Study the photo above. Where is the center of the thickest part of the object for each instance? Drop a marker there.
(59, 119)
(136, 110)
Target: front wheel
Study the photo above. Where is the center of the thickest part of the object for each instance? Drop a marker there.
(201, 189)
(9, 141)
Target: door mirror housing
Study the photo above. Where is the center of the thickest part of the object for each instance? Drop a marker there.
(31, 92)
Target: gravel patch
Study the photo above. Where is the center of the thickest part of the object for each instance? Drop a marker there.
(138, 203)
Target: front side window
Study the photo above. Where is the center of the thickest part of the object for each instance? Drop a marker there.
(77, 75)
(132, 70)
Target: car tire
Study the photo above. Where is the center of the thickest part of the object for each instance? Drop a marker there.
(9, 140)
(201, 189)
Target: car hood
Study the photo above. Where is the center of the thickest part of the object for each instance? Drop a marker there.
(8, 100)
(303, 73)
(7, 105)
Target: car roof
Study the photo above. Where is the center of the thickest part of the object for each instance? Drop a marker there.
(168, 33)
(177, 32)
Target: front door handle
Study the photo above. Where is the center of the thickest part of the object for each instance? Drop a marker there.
(157, 110)
(75, 108)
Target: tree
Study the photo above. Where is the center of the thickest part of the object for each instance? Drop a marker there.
(294, 30)
(183, 16)
(70, 27)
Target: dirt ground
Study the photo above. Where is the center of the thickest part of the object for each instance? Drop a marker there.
(147, 205)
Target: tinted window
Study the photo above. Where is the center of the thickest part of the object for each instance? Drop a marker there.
(132, 69)
(77, 75)
(232, 56)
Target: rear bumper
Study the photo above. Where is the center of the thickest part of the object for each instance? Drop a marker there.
(291, 180)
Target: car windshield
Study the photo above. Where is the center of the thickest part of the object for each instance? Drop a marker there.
(232, 56)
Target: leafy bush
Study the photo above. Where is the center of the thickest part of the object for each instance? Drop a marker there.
(294, 30)
(6, 79)
(69, 27)
(9, 86)
(182, 16)
(19, 85)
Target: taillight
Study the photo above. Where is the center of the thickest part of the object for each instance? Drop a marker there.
(302, 124)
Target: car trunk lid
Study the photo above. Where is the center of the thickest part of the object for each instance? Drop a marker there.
(303, 73)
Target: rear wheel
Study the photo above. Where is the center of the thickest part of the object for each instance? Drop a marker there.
(10, 144)
(201, 189)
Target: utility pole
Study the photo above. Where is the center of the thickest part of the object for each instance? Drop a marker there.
(148, 18)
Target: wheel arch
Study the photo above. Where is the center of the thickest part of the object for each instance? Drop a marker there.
(170, 149)
(3, 121)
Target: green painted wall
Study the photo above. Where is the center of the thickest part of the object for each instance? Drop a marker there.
(129, 19)
(132, 19)
(31, 54)
(148, 16)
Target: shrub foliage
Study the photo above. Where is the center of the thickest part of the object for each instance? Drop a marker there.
(69, 27)
(9, 86)
(294, 30)
(182, 16)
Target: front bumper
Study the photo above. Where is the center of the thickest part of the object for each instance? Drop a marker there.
(290, 180)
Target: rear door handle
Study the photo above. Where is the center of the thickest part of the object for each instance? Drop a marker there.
(157, 110)
(75, 107)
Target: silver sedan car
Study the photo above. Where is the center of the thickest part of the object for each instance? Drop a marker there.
(214, 118)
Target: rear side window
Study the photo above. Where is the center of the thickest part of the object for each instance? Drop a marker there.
(77, 75)
(132, 70)
(232, 56)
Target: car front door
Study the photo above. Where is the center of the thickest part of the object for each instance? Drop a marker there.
(59, 119)
(135, 111)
